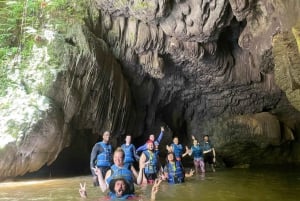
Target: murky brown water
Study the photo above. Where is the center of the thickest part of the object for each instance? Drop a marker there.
(224, 185)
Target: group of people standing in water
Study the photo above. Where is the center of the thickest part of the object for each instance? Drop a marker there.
(115, 171)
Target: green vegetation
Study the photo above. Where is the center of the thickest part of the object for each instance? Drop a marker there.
(29, 33)
(143, 5)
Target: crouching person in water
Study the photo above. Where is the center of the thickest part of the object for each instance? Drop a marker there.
(119, 179)
(119, 188)
(174, 172)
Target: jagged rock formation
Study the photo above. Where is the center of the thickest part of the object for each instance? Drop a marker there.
(207, 61)
(287, 60)
(91, 94)
(199, 67)
(40, 147)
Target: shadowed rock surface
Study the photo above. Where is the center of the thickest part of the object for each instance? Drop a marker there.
(229, 69)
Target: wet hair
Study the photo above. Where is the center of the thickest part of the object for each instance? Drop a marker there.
(129, 187)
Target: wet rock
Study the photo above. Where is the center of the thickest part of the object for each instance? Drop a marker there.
(287, 64)
(224, 68)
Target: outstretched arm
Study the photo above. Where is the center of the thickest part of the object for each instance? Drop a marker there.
(162, 130)
(187, 151)
(142, 148)
(102, 183)
(142, 164)
(191, 173)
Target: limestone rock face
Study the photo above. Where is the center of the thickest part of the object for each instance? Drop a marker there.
(242, 139)
(205, 61)
(287, 64)
(229, 69)
(91, 94)
(40, 147)
(198, 21)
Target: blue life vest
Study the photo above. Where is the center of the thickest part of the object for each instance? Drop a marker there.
(128, 150)
(124, 197)
(177, 149)
(117, 172)
(197, 151)
(207, 146)
(151, 167)
(175, 173)
(104, 159)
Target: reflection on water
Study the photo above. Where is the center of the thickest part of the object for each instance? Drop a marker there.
(224, 185)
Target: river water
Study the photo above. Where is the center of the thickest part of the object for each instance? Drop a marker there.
(223, 185)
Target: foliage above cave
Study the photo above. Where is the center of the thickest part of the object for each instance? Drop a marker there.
(30, 33)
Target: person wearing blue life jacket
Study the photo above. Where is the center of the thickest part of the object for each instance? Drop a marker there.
(197, 152)
(118, 190)
(130, 154)
(176, 148)
(119, 179)
(174, 172)
(101, 156)
(152, 138)
(152, 167)
(209, 152)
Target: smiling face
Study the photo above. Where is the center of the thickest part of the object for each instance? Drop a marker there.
(120, 188)
(106, 136)
(150, 145)
(171, 157)
(119, 158)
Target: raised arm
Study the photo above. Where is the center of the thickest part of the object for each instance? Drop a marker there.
(102, 184)
(142, 164)
(155, 189)
(169, 148)
(187, 151)
(82, 190)
(161, 134)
